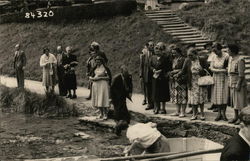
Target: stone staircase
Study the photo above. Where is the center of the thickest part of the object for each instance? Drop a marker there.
(175, 26)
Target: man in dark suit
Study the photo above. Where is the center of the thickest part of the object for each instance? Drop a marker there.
(60, 71)
(121, 88)
(146, 73)
(238, 147)
(19, 65)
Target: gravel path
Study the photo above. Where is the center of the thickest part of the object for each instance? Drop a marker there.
(134, 106)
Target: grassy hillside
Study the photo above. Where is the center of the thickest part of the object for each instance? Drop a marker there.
(121, 38)
(225, 20)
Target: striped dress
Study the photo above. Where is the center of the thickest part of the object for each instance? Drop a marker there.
(220, 87)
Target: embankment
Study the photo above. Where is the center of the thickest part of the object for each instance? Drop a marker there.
(24, 101)
(121, 38)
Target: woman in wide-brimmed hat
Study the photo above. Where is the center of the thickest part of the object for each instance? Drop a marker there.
(100, 88)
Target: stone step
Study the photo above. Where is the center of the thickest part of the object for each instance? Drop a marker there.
(200, 48)
(200, 44)
(193, 39)
(162, 16)
(160, 11)
(173, 25)
(247, 57)
(247, 77)
(247, 66)
(190, 30)
(188, 36)
(247, 71)
(178, 33)
(166, 19)
(247, 61)
(177, 28)
(168, 22)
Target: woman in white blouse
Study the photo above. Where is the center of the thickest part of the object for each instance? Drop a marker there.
(48, 62)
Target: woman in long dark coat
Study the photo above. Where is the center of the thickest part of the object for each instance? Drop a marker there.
(160, 66)
(70, 62)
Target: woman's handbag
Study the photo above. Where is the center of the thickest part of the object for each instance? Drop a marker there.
(206, 80)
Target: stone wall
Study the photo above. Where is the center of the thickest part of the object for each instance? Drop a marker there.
(201, 129)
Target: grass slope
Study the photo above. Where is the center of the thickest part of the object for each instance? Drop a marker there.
(121, 38)
(226, 20)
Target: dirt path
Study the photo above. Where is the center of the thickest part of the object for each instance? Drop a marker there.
(134, 106)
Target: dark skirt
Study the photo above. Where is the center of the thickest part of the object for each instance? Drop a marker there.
(160, 90)
(70, 81)
(121, 111)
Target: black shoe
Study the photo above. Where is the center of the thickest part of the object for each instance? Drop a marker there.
(144, 102)
(210, 108)
(215, 110)
(74, 96)
(69, 96)
(237, 122)
(218, 118)
(190, 112)
(148, 108)
(156, 111)
(88, 98)
(163, 112)
(232, 121)
(224, 118)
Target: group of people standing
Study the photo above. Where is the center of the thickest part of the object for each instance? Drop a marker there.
(173, 75)
(61, 65)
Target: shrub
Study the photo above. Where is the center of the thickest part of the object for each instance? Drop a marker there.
(24, 101)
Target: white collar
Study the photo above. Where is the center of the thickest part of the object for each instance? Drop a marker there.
(244, 138)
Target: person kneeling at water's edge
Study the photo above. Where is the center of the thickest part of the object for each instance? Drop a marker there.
(146, 137)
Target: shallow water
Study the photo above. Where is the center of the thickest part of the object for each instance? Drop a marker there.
(29, 137)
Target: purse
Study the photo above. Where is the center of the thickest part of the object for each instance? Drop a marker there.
(206, 80)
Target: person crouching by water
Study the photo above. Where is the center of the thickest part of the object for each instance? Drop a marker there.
(100, 87)
(146, 137)
(48, 63)
(70, 62)
(238, 147)
(121, 88)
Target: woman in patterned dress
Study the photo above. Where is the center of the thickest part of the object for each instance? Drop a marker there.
(197, 96)
(100, 87)
(178, 92)
(237, 82)
(218, 66)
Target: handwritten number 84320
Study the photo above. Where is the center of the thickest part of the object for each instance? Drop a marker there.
(39, 14)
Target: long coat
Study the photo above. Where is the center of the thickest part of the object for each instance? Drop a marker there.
(145, 70)
(19, 60)
(70, 76)
(160, 85)
(121, 87)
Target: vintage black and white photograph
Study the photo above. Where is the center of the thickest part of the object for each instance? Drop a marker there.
(124, 80)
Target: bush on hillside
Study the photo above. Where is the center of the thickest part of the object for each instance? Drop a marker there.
(226, 21)
(24, 101)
